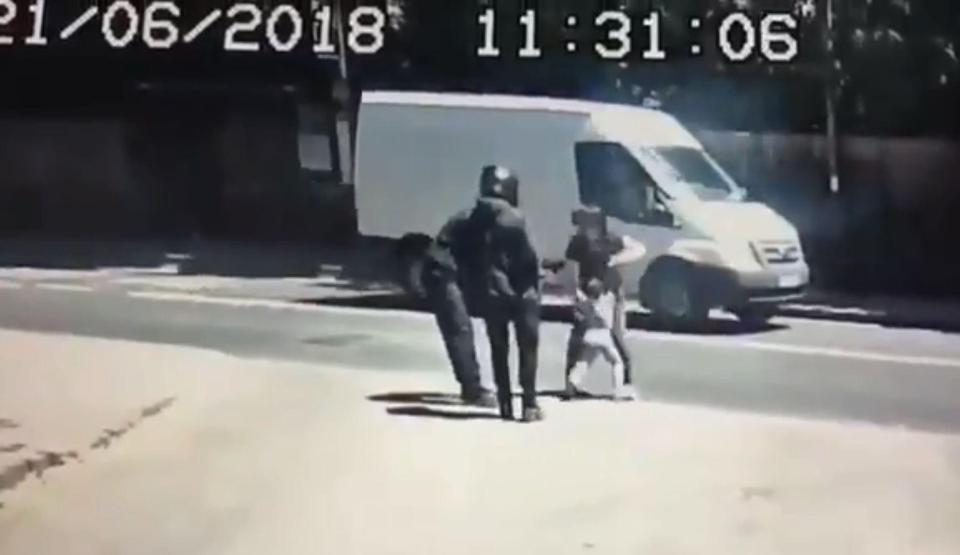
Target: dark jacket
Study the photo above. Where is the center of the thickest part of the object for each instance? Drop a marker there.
(509, 263)
(487, 250)
(448, 252)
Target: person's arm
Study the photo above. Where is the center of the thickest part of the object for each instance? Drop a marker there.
(440, 254)
(632, 251)
(523, 270)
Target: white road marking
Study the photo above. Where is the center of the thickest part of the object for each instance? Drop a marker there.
(10, 285)
(179, 283)
(40, 274)
(726, 343)
(805, 350)
(64, 287)
(225, 301)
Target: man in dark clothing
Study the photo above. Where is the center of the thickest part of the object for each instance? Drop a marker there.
(447, 263)
(510, 274)
(483, 263)
(597, 252)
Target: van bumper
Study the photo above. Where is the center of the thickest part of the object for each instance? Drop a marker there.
(728, 288)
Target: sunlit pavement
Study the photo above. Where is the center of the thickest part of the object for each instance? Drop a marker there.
(187, 450)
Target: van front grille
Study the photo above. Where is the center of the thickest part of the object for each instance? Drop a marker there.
(779, 252)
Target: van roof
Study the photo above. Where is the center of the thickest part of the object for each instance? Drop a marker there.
(612, 118)
(503, 101)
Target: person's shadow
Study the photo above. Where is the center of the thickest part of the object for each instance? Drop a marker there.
(432, 405)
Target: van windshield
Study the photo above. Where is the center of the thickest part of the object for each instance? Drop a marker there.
(693, 170)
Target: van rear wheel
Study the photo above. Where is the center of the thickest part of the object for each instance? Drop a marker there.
(673, 296)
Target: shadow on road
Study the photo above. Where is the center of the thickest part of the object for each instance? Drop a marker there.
(420, 398)
(431, 405)
(429, 412)
(555, 313)
(713, 326)
(888, 318)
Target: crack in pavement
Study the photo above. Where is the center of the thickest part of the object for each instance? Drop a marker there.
(111, 434)
(13, 475)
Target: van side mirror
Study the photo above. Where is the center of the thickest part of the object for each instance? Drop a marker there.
(660, 216)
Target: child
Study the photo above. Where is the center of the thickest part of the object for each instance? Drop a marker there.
(593, 321)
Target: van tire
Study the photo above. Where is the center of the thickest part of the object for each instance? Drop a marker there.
(753, 316)
(410, 254)
(671, 291)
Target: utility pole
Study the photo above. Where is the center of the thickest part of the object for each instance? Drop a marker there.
(831, 98)
(341, 40)
(343, 97)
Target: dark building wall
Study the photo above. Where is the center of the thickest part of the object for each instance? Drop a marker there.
(893, 225)
(163, 165)
(57, 173)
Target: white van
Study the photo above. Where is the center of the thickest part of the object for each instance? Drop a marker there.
(419, 157)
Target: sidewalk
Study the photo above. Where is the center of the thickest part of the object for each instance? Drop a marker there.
(255, 457)
(296, 273)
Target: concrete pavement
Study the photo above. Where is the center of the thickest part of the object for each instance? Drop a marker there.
(260, 456)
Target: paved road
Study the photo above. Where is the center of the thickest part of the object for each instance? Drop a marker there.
(797, 367)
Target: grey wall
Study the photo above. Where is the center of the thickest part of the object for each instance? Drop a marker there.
(893, 225)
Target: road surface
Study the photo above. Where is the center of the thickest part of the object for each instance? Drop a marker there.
(809, 369)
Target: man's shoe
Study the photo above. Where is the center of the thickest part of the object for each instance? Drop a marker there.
(506, 409)
(480, 398)
(625, 394)
(573, 392)
(532, 414)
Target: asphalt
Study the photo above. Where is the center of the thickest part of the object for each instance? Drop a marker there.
(795, 367)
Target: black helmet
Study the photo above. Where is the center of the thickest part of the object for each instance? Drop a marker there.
(499, 182)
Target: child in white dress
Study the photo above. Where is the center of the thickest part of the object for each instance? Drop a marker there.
(593, 315)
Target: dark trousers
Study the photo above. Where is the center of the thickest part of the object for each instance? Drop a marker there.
(525, 317)
(618, 330)
(453, 319)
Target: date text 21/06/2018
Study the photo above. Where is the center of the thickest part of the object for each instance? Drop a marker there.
(740, 36)
(247, 27)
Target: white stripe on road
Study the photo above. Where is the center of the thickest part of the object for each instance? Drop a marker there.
(727, 343)
(805, 350)
(228, 301)
(64, 287)
(10, 285)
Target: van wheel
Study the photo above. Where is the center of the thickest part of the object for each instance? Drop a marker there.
(673, 296)
(411, 251)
